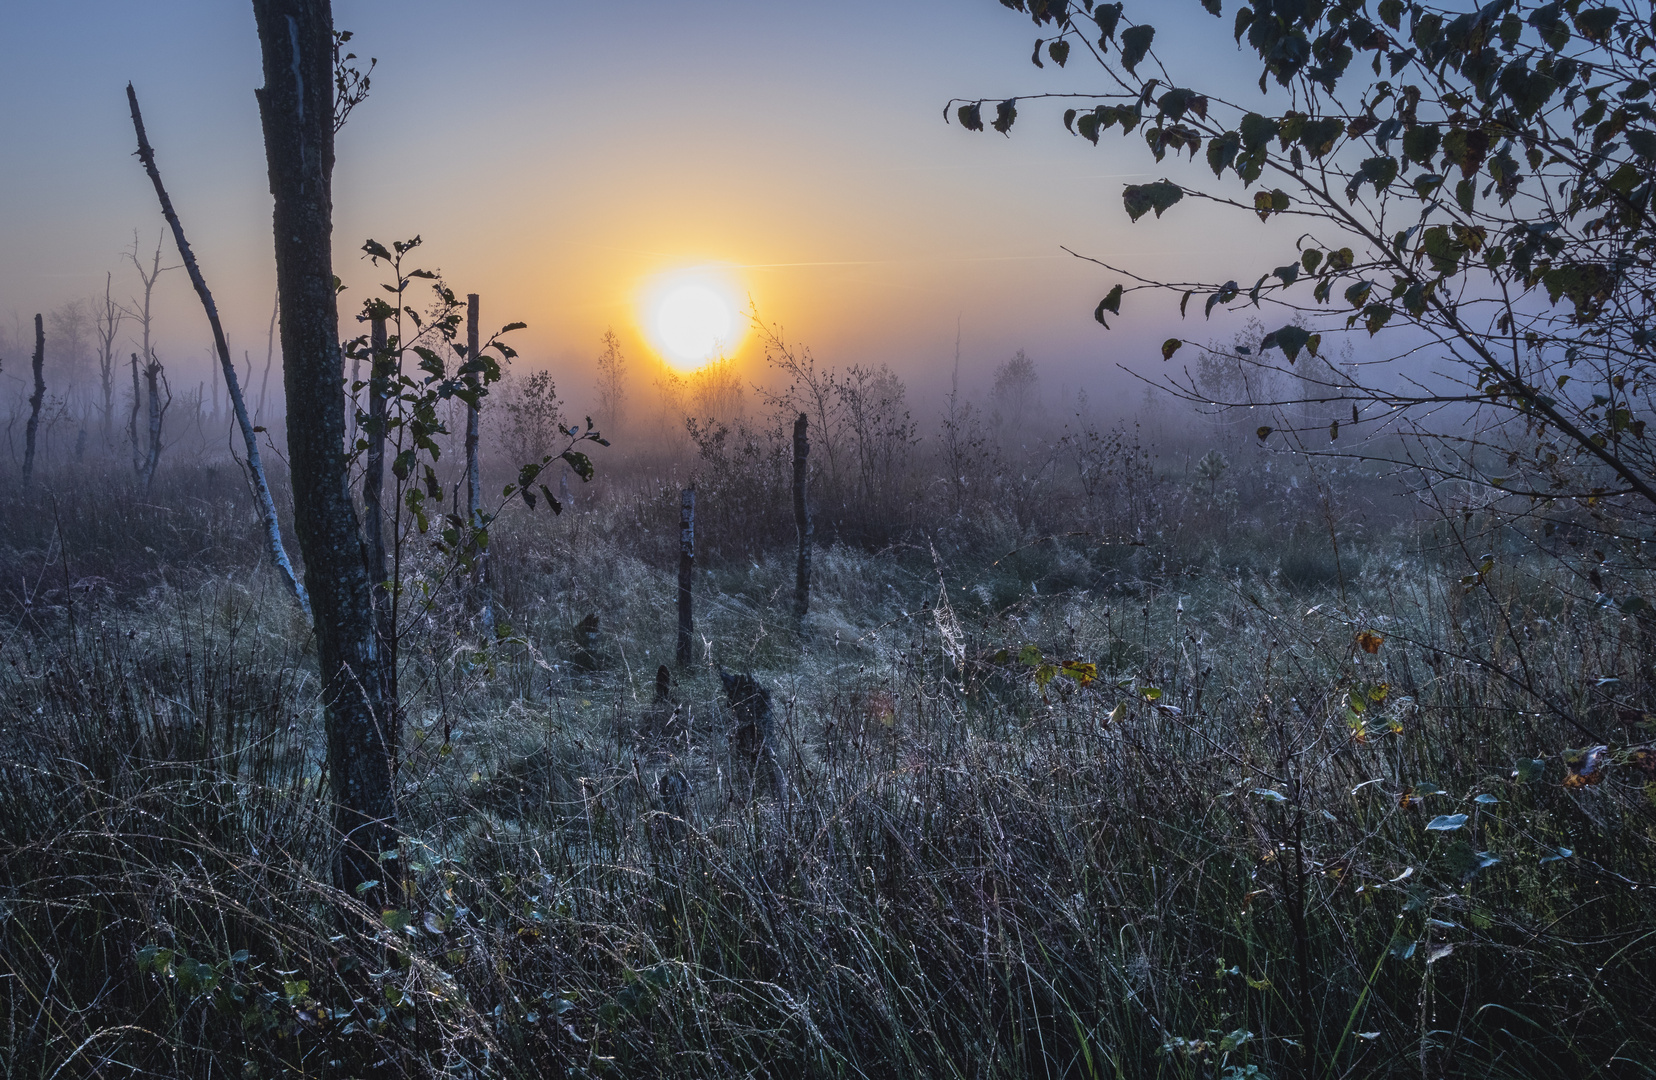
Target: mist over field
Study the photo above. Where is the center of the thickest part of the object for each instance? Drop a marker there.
(727, 539)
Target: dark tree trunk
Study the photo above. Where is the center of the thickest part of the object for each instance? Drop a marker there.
(802, 520)
(296, 107)
(132, 420)
(261, 488)
(155, 380)
(687, 567)
(35, 401)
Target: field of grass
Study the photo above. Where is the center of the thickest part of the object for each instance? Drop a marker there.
(1180, 782)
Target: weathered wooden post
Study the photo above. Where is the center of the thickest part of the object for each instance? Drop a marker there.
(802, 520)
(35, 402)
(474, 482)
(687, 566)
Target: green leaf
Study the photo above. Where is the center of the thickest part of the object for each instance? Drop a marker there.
(1291, 339)
(1225, 295)
(1553, 30)
(1587, 285)
(971, 116)
(1466, 148)
(1006, 113)
(1446, 822)
(1222, 151)
(1258, 130)
(580, 463)
(1112, 302)
(1107, 16)
(1379, 171)
(1141, 198)
(1270, 202)
(1595, 24)
(1464, 193)
(1319, 136)
(1059, 51)
(1135, 43)
(1137, 201)
(1171, 346)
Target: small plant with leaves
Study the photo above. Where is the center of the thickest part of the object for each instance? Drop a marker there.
(418, 363)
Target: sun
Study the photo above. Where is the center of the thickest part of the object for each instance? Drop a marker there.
(691, 315)
(693, 323)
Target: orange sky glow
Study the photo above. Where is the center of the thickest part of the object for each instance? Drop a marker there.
(569, 165)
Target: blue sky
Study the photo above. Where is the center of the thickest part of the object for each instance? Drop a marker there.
(558, 158)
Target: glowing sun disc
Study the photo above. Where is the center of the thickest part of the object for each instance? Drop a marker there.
(693, 322)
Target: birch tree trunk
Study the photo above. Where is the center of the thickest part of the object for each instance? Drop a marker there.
(296, 108)
(255, 466)
(35, 402)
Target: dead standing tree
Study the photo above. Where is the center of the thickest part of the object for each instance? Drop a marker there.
(141, 311)
(299, 112)
(110, 318)
(255, 467)
(35, 401)
(155, 381)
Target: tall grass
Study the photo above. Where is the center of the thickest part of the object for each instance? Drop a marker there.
(1212, 856)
